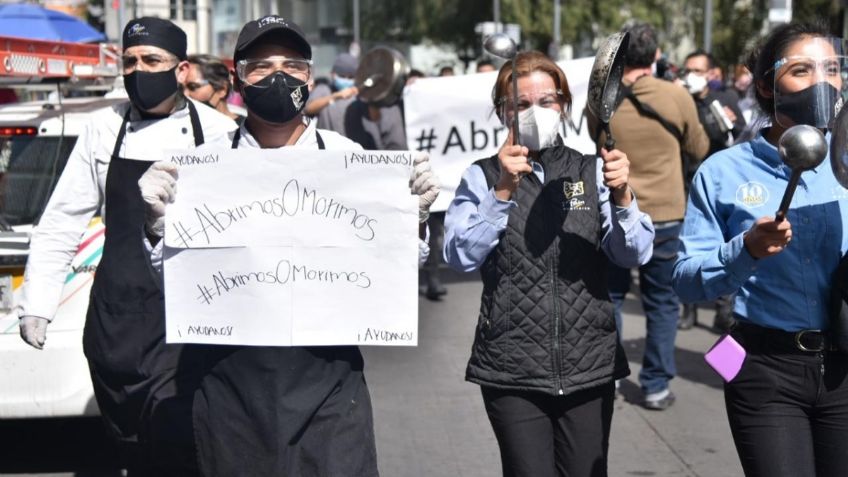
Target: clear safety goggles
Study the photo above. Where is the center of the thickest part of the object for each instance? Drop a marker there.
(810, 84)
(548, 99)
(252, 71)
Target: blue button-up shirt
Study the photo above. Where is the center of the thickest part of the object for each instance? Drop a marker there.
(730, 191)
(476, 218)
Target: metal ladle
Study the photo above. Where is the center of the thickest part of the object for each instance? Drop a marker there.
(502, 46)
(801, 148)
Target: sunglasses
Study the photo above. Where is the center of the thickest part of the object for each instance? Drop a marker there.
(196, 85)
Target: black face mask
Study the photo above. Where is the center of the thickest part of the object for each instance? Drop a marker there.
(147, 90)
(814, 106)
(272, 100)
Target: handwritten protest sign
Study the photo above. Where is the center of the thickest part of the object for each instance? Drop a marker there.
(452, 118)
(292, 247)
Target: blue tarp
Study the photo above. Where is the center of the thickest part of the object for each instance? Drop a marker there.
(38, 23)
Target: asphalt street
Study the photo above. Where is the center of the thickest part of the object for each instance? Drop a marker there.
(430, 422)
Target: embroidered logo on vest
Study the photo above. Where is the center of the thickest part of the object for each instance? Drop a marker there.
(571, 191)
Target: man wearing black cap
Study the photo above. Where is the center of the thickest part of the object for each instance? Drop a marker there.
(285, 411)
(132, 370)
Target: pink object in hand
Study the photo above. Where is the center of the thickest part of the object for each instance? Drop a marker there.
(726, 357)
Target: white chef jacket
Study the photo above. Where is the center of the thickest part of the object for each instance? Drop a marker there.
(80, 192)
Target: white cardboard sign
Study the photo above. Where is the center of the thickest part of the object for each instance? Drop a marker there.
(292, 247)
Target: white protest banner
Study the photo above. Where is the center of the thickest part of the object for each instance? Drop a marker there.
(452, 118)
(292, 247)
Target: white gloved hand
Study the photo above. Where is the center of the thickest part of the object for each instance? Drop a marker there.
(158, 187)
(424, 184)
(34, 330)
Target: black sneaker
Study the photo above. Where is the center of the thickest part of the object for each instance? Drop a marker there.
(660, 403)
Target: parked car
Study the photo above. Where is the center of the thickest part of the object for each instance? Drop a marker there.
(36, 139)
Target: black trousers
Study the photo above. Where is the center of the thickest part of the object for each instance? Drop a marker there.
(788, 410)
(540, 435)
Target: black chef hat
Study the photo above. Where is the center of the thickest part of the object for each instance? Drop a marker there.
(151, 31)
(271, 24)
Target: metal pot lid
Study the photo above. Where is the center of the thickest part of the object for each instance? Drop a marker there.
(605, 80)
(381, 76)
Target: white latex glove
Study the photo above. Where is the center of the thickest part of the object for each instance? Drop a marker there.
(158, 187)
(424, 184)
(34, 330)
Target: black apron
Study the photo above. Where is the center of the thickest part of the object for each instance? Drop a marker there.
(285, 411)
(134, 373)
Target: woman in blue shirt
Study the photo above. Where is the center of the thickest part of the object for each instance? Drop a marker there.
(540, 221)
(788, 406)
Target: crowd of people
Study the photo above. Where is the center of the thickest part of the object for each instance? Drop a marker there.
(683, 202)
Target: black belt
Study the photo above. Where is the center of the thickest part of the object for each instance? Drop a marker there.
(804, 341)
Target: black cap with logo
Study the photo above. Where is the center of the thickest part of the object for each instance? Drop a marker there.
(153, 31)
(271, 25)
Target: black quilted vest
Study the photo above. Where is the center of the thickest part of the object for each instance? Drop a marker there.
(546, 320)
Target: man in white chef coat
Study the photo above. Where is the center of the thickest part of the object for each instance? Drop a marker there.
(134, 373)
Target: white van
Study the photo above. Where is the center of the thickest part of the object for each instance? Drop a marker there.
(36, 139)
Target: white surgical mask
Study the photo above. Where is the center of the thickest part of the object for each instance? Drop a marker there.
(538, 127)
(695, 83)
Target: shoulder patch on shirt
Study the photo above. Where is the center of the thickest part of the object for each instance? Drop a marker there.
(752, 194)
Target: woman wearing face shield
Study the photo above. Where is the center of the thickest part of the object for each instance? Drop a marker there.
(540, 221)
(788, 405)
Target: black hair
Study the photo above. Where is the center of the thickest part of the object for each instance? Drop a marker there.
(711, 63)
(642, 46)
(213, 70)
(771, 48)
(413, 73)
